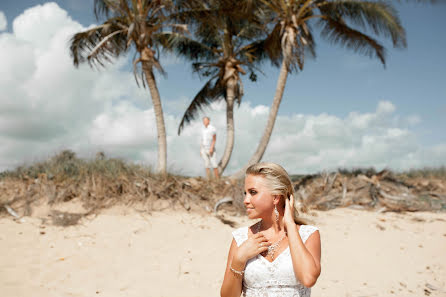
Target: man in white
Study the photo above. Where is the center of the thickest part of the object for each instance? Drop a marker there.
(207, 150)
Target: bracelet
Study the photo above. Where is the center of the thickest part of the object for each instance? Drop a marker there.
(240, 273)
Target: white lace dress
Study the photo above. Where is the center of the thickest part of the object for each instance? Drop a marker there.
(264, 278)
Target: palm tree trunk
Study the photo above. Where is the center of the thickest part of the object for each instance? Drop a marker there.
(160, 126)
(230, 94)
(261, 148)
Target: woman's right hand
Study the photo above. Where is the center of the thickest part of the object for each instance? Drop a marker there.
(254, 245)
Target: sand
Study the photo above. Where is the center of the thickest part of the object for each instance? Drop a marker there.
(124, 252)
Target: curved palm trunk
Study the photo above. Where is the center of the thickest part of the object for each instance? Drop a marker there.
(160, 126)
(261, 148)
(230, 94)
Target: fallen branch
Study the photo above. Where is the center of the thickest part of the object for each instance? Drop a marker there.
(11, 212)
(221, 201)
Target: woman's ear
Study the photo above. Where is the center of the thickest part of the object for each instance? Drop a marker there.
(276, 199)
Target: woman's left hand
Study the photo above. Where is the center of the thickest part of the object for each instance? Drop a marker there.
(288, 216)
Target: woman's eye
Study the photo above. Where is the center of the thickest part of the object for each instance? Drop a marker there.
(253, 192)
(244, 193)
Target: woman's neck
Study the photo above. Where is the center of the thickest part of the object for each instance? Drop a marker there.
(272, 224)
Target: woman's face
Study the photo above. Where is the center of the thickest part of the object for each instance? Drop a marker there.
(258, 198)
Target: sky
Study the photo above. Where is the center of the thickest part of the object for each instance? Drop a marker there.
(343, 110)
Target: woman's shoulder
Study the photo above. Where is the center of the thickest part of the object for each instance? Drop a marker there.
(306, 230)
(308, 227)
(240, 235)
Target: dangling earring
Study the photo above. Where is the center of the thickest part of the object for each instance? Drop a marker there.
(276, 212)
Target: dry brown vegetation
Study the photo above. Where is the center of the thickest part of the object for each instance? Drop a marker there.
(420, 190)
(104, 182)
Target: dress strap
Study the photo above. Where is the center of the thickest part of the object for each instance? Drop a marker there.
(240, 235)
(305, 231)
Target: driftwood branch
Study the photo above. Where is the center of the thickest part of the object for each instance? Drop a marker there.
(221, 201)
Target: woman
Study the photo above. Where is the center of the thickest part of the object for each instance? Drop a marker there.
(279, 255)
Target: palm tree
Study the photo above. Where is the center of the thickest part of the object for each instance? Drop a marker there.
(341, 22)
(130, 24)
(225, 42)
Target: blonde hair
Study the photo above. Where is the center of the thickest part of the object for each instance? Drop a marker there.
(277, 181)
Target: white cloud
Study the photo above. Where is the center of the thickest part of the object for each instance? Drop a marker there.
(310, 143)
(385, 107)
(48, 105)
(41, 23)
(260, 110)
(3, 21)
(123, 125)
(413, 120)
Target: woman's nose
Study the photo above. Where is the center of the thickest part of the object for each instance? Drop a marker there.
(246, 200)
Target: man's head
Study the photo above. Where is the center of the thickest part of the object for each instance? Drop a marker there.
(206, 121)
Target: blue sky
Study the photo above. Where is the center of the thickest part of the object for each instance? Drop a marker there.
(406, 99)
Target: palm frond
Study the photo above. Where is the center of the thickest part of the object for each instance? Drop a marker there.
(184, 46)
(155, 63)
(102, 43)
(90, 46)
(273, 46)
(339, 33)
(105, 8)
(253, 53)
(310, 44)
(380, 16)
(212, 91)
(101, 8)
(138, 73)
(249, 31)
(239, 92)
(206, 69)
(192, 15)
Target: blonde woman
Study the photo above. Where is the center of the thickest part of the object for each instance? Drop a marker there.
(278, 255)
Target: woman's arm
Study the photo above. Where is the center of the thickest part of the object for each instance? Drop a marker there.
(232, 282)
(306, 257)
(237, 259)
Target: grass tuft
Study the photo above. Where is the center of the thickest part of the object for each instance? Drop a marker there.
(67, 166)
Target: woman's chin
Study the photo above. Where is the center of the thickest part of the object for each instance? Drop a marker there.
(251, 214)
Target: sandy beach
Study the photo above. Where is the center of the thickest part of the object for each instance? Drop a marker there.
(124, 252)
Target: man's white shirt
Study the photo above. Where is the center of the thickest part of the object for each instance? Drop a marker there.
(206, 136)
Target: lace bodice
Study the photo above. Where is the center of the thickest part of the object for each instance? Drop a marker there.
(264, 278)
